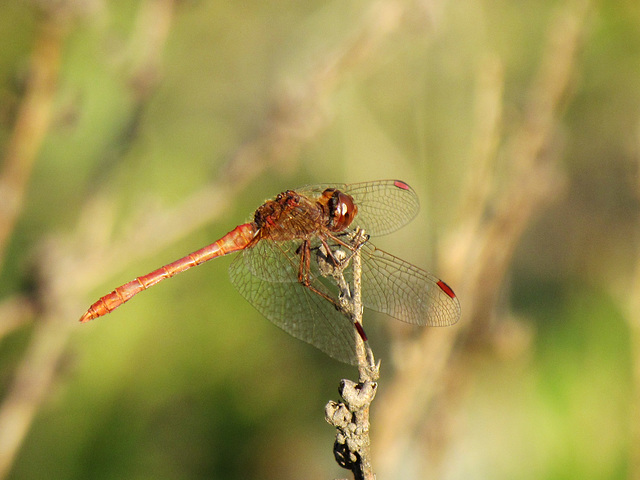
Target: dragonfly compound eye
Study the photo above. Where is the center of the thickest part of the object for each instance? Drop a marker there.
(342, 210)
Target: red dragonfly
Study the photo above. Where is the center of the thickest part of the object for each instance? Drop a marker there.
(282, 268)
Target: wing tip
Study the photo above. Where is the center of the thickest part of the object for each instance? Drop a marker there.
(402, 185)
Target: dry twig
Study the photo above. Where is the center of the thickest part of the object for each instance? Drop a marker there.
(352, 448)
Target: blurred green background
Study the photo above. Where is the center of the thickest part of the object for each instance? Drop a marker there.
(167, 123)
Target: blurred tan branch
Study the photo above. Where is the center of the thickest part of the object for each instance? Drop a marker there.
(31, 126)
(633, 319)
(37, 371)
(30, 129)
(14, 313)
(478, 256)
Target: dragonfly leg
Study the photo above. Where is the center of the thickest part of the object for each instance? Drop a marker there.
(335, 271)
(305, 264)
(339, 262)
(305, 268)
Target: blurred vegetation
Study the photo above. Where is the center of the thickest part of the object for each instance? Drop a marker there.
(134, 132)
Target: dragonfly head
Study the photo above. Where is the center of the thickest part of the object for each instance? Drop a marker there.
(342, 210)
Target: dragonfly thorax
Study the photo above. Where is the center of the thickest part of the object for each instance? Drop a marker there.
(272, 212)
(289, 216)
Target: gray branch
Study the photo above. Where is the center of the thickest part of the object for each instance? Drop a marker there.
(351, 416)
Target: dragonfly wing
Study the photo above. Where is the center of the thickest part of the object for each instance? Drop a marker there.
(383, 205)
(273, 261)
(292, 306)
(395, 287)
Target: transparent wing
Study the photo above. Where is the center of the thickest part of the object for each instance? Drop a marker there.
(273, 261)
(383, 205)
(267, 276)
(395, 287)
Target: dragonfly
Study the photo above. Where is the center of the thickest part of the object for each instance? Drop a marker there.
(282, 266)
